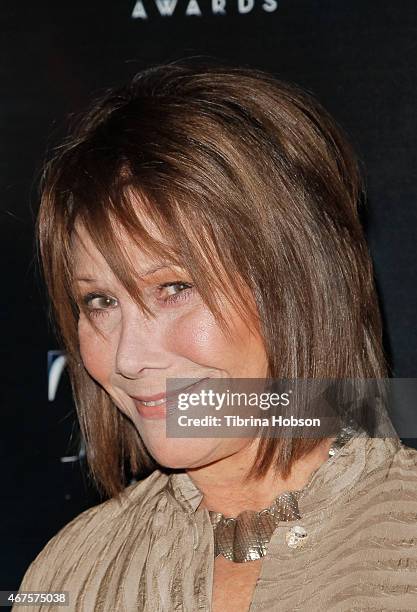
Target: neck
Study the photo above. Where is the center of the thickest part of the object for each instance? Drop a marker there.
(224, 490)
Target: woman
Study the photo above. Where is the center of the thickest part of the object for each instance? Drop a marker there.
(202, 222)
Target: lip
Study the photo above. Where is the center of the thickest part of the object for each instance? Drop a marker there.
(159, 412)
(149, 398)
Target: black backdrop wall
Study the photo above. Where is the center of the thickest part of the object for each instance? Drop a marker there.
(358, 57)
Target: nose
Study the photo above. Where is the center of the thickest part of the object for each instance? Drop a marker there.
(139, 344)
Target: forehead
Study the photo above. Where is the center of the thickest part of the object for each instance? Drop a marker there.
(86, 254)
(84, 251)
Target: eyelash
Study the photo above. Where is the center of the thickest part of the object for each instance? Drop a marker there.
(182, 295)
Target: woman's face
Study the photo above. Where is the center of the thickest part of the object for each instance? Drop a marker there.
(134, 355)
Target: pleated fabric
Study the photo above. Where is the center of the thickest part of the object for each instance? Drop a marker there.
(153, 550)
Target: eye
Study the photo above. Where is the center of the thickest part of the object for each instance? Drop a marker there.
(175, 291)
(98, 304)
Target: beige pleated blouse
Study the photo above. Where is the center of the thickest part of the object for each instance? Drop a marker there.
(153, 551)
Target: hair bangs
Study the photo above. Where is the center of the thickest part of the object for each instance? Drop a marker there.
(165, 228)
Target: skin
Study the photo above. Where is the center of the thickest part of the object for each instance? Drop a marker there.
(134, 354)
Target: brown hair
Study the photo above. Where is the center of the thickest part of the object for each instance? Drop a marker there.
(249, 179)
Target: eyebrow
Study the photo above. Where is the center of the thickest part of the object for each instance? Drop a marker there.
(148, 272)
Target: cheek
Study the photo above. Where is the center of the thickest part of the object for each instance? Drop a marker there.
(198, 337)
(195, 335)
(95, 351)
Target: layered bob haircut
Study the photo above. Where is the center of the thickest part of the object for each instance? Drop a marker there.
(253, 185)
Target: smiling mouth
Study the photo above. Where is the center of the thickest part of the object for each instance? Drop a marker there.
(173, 394)
(154, 403)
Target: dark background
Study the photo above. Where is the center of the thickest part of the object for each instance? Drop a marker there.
(357, 56)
